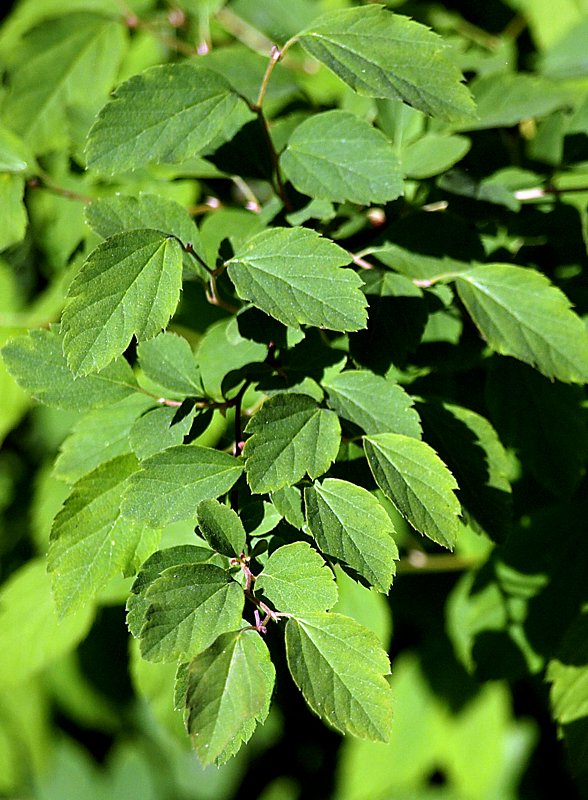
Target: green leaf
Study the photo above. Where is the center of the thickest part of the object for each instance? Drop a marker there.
(294, 275)
(169, 113)
(350, 525)
(90, 541)
(151, 569)
(66, 64)
(129, 285)
(13, 223)
(158, 429)
(189, 606)
(432, 154)
(521, 314)
(31, 635)
(340, 666)
(413, 477)
(296, 580)
(169, 364)
(170, 484)
(15, 156)
(98, 437)
(229, 691)
(37, 363)
(291, 436)
(338, 156)
(222, 528)
(568, 673)
(381, 54)
(374, 403)
(288, 502)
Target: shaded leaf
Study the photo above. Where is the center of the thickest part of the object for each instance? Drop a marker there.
(295, 275)
(169, 364)
(338, 156)
(349, 524)
(413, 477)
(222, 528)
(381, 54)
(521, 314)
(340, 666)
(290, 437)
(168, 113)
(158, 429)
(374, 403)
(296, 580)
(37, 363)
(189, 606)
(229, 692)
(170, 484)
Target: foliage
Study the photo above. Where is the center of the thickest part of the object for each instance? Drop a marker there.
(291, 312)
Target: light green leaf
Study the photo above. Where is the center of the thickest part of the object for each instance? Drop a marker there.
(291, 436)
(381, 54)
(568, 673)
(432, 154)
(349, 524)
(129, 285)
(151, 569)
(15, 155)
(168, 362)
(229, 691)
(170, 484)
(294, 275)
(169, 113)
(98, 437)
(37, 363)
(90, 541)
(413, 477)
(374, 403)
(222, 528)
(296, 580)
(156, 431)
(13, 221)
(521, 314)
(288, 502)
(66, 64)
(340, 666)
(189, 606)
(338, 156)
(31, 635)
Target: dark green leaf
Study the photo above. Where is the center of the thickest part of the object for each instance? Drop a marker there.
(159, 429)
(221, 527)
(296, 580)
(340, 666)
(291, 436)
(169, 364)
(295, 275)
(129, 285)
(413, 477)
(350, 525)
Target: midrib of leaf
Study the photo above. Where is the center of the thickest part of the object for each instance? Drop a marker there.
(366, 533)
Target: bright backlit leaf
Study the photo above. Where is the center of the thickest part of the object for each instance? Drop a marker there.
(295, 276)
(350, 525)
(128, 286)
(413, 477)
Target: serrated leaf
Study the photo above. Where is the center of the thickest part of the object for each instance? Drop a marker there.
(98, 437)
(296, 580)
(521, 313)
(90, 541)
(338, 156)
(151, 569)
(229, 692)
(66, 63)
(37, 363)
(168, 113)
(376, 404)
(340, 666)
(169, 363)
(129, 285)
(222, 528)
(349, 524)
(290, 437)
(189, 606)
(170, 484)
(381, 54)
(413, 477)
(295, 276)
(156, 430)
(288, 502)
